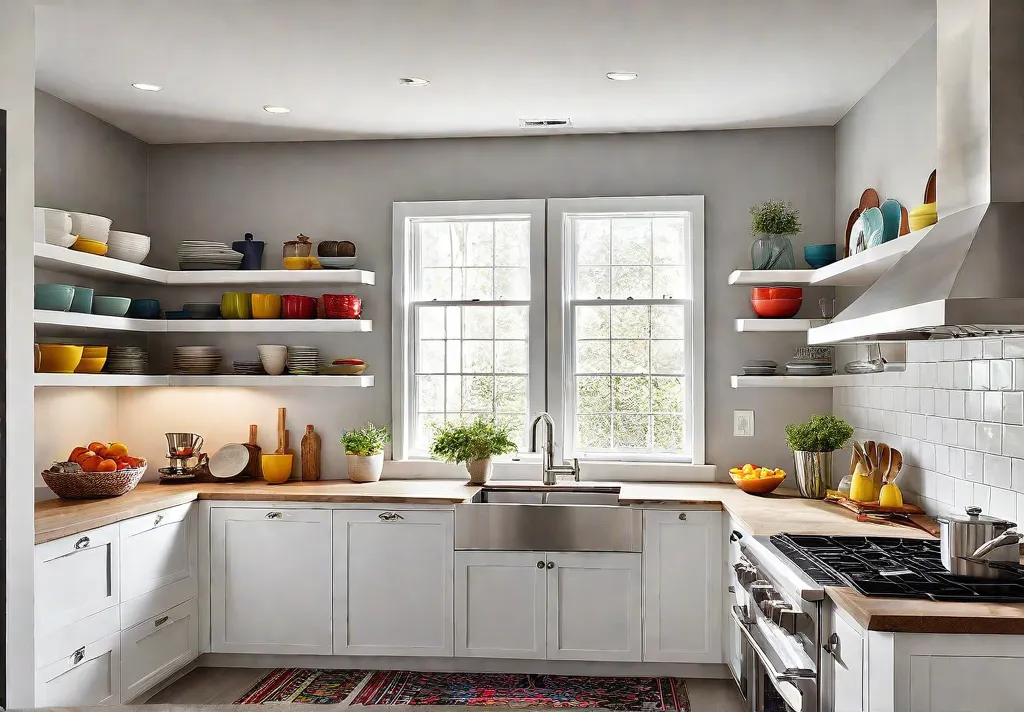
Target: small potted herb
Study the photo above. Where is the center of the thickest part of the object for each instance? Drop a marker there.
(473, 444)
(773, 221)
(364, 451)
(812, 444)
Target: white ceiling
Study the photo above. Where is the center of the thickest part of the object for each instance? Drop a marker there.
(703, 64)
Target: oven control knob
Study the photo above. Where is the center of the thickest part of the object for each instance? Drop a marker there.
(762, 591)
(769, 606)
(745, 573)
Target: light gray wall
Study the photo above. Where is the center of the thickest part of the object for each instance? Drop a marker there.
(86, 165)
(345, 190)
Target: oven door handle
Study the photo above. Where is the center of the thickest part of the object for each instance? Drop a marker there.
(739, 616)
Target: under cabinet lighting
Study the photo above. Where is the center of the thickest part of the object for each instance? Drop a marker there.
(270, 109)
(147, 87)
(413, 81)
(622, 76)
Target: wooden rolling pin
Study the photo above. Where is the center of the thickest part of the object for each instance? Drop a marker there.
(282, 434)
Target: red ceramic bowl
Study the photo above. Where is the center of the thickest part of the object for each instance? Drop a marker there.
(776, 308)
(296, 306)
(777, 293)
(343, 306)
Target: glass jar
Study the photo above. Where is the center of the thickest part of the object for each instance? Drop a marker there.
(302, 247)
(772, 252)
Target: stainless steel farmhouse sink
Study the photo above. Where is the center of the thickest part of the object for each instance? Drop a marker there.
(556, 518)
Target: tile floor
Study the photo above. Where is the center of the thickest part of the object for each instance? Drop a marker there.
(222, 686)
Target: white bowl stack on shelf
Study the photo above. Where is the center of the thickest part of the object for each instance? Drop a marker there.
(127, 246)
(91, 227)
(196, 360)
(54, 227)
(203, 254)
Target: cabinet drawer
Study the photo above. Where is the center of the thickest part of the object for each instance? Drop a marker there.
(159, 566)
(89, 676)
(63, 642)
(76, 577)
(156, 648)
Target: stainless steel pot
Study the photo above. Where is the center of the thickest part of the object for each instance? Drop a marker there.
(970, 541)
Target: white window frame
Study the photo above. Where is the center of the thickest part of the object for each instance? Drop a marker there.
(561, 365)
(403, 325)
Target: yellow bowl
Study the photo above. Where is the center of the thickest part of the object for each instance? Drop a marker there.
(277, 468)
(94, 351)
(92, 247)
(296, 262)
(59, 358)
(266, 306)
(922, 216)
(91, 365)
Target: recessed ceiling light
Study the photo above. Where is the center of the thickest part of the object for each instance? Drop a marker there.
(413, 81)
(276, 109)
(147, 87)
(622, 76)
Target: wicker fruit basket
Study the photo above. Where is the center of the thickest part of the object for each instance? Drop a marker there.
(69, 481)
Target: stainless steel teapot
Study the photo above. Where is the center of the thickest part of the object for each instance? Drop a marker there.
(970, 541)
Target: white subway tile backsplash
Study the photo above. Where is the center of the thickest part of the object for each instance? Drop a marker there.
(957, 404)
(934, 429)
(1001, 375)
(997, 471)
(993, 406)
(975, 467)
(951, 350)
(942, 459)
(971, 349)
(941, 402)
(1020, 508)
(957, 462)
(982, 496)
(949, 431)
(927, 401)
(917, 351)
(1013, 347)
(929, 374)
(990, 438)
(913, 400)
(965, 435)
(886, 398)
(963, 494)
(874, 397)
(920, 429)
(1003, 504)
(945, 379)
(1017, 474)
(899, 398)
(1013, 408)
(904, 424)
(992, 348)
(962, 375)
(975, 401)
(876, 420)
(1013, 440)
(980, 375)
(889, 421)
(1018, 374)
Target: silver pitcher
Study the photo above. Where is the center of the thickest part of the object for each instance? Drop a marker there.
(813, 473)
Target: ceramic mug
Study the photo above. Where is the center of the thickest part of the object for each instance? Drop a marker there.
(266, 306)
(274, 358)
(296, 306)
(236, 305)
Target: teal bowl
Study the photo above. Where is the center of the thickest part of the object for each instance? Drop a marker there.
(54, 297)
(110, 306)
(820, 255)
(82, 303)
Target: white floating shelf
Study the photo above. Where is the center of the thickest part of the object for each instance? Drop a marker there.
(68, 380)
(74, 320)
(796, 381)
(62, 259)
(860, 270)
(777, 325)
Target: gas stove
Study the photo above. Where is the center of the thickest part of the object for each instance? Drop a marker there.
(899, 568)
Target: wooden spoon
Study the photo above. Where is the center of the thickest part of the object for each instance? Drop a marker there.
(884, 462)
(871, 455)
(895, 466)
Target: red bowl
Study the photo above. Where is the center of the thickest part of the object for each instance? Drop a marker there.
(777, 293)
(342, 306)
(776, 308)
(296, 306)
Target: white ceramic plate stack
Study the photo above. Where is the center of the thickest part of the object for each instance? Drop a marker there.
(127, 246)
(759, 367)
(811, 361)
(196, 360)
(54, 226)
(204, 254)
(127, 360)
(303, 360)
(91, 227)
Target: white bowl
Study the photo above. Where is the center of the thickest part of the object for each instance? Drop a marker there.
(91, 227)
(65, 240)
(273, 358)
(55, 221)
(128, 246)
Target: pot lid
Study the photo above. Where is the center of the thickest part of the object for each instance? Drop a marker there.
(300, 238)
(973, 515)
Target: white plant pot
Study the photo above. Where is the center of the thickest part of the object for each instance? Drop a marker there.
(480, 471)
(365, 468)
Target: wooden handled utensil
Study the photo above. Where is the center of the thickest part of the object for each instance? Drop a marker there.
(869, 455)
(894, 466)
(282, 434)
(254, 468)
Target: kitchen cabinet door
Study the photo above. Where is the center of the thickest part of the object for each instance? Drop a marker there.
(846, 669)
(76, 577)
(270, 580)
(594, 606)
(154, 649)
(500, 604)
(87, 676)
(683, 597)
(393, 582)
(158, 554)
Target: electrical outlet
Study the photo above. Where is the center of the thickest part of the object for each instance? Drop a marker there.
(743, 423)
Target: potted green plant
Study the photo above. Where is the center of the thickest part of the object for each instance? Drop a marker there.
(474, 444)
(773, 221)
(812, 444)
(364, 451)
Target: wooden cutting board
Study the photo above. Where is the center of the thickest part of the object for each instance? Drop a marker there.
(873, 507)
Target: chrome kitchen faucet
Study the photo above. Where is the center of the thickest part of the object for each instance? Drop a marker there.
(550, 471)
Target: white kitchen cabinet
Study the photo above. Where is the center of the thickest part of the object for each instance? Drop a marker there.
(683, 586)
(270, 580)
(501, 604)
(154, 649)
(595, 609)
(159, 563)
(76, 577)
(393, 582)
(846, 663)
(86, 676)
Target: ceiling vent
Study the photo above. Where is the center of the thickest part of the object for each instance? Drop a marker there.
(545, 123)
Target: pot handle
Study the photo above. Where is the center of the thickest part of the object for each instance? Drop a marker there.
(1004, 539)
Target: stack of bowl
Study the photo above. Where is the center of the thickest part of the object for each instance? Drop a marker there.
(127, 246)
(776, 302)
(93, 359)
(55, 226)
(196, 360)
(54, 297)
(59, 358)
(93, 231)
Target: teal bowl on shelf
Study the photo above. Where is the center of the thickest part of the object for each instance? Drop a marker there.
(82, 302)
(54, 297)
(110, 306)
(820, 255)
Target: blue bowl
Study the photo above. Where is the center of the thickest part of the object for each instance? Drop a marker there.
(110, 306)
(82, 302)
(54, 297)
(182, 314)
(820, 255)
(144, 309)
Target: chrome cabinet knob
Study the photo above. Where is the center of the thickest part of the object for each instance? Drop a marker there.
(540, 564)
(78, 656)
(273, 515)
(551, 564)
(82, 543)
(389, 516)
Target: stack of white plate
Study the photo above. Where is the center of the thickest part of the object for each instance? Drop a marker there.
(54, 226)
(196, 360)
(811, 361)
(303, 360)
(127, 246)
(809, 369)
(203, 254)
(127, 360)
(759, 367)
(91, 227)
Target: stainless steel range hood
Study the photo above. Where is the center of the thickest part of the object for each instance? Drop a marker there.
(966, 276)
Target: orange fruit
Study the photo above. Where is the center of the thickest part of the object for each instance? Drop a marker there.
(122, 463)
(107, 465)
(91, 463)
(133, 461)
(117, 450)
(76, 453)
(83, 456)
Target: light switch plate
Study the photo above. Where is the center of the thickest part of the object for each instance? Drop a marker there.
(743, 423)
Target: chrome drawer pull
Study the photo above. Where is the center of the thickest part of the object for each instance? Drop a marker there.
(160, 621)
(79, 656)
(82, 543)
(389, 516)
(273, 515)
(159, 518)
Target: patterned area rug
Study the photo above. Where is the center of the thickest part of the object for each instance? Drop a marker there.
(304, 686)
(628, 694)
